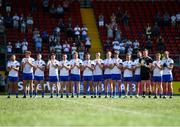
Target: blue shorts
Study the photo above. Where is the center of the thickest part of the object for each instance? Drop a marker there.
(98, 78)
(157, 78)
(75, 78)
(137, 78)
(64, 78)
(53, 78)
(127, 79)
(38, 78)
(116, 76)
(28, 76)
(167, 78)
(13, 79)
(107, 76)
(88, 78)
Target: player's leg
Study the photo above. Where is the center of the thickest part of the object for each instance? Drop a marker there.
(85, 88)
(10, 86)
(72, 83)
(170, 89)
(130, 89)
(51, 89)
(31, 87)
(114, 83)
(91, 88)
(95, 87)
(119, 88)
(143, 83)
(57, 84)
(99, 88)
(62, 85)
(148, 88)
(156, 87)
(16, 88)
(126, 89)
(35, 87)
(78, 88)
(42, 87)
(25, 84)
(106, 82)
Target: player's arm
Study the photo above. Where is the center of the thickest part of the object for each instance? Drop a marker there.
(67, 67)
(54, 65)
(42, 68)
(8, 68)
(170, 66)
(16, 68)
(100, 65)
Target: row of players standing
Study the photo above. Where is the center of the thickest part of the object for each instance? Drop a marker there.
(112, 71)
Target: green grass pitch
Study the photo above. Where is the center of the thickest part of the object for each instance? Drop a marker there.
(89, 112)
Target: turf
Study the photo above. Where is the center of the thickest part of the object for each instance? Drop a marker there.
(89, 112)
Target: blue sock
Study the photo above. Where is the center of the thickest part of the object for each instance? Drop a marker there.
(24, 93)
(51, 94)
(9, 93)
(57, 94)
(113, 93)
(43, 93)
(119, 93)
(30, 94)
(16, 94)
(106, 93)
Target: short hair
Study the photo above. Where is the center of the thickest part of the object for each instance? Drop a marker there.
(53, 54)
(28, 52)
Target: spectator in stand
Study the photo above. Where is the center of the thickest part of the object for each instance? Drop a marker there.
(160, 44)
(56, 32)
(2, 29)
(23, 26)
(107, 45)
(70, 32)
(118, 34)
(115, 42)
(8, 21)
(9, 48)
(178, 18)
(53, 41)
(33, 6)
(166, 19)
(135, 46)
(58, 49)
(18, 47)
(35, 33)
(8, 7)
(122, 48)
(113, 20)
(60, 10)
(173, 20)
(110, 34)
(66, 5)
(38, 43)
(158, 18)
(101, 21)
(156, 30)
(126, 18)
(61, 25)
(16, 19)
(24, 46)
(46, 5)
(84, 30)
(149, 44)
(73, 48)
(29, 22)
(1, 19)
(87, 44)
(81, 50)
(128, 43)
(148, 31)
(66, 49)
(77, 31)
(119, 15)
(52, 10)
(45, 37)
(129, 50)
(116, 47)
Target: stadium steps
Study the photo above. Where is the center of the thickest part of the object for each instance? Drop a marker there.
(88, 19)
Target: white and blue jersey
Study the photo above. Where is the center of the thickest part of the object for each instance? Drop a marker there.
(107, 71)
(75, 72)
(88, 73)
(98, 71)
(64, 72)
(137, 73)
(39, 74)
(13, 74)
(157, 73)
(116, 72)
(53, 70)
(28, 69)
(128, 74)
(167, 73)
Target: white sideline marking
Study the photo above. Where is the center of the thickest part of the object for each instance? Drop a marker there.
(122, 110)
